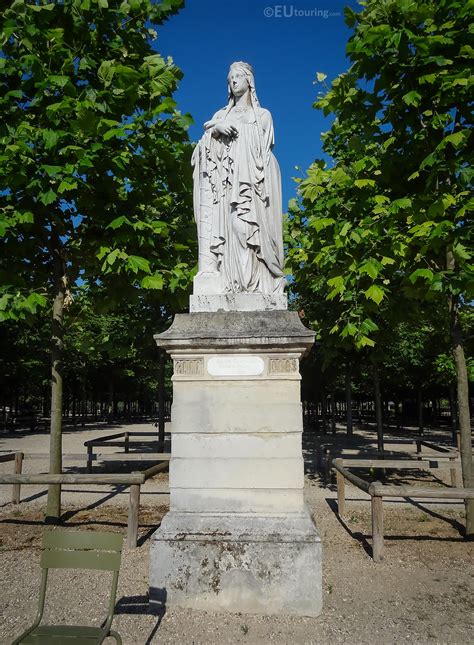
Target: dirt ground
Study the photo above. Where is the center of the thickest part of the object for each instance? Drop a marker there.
(421, 593)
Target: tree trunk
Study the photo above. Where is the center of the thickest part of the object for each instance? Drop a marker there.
(74, 407)
(45, 402)
(53, 506)
(161, 399)
(66, 397)
(110, 402)
(385, 413)
(378, 409)
(420, 411)
(314, 411)
(464, 418)
(349, 404)
(84, 403)
(333, 412)
(396, 412)
(454, 412)
(323, 412)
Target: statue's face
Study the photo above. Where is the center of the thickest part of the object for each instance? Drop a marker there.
(238, 81)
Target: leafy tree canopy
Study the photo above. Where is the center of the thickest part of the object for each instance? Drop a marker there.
(377, 224)
(388, 225)
(94, 160)
(94, 166)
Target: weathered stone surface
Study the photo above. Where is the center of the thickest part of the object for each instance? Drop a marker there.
(266, 446)
(243, 301)
(224, 365)
(218, 365)
(255, 565)
(237, 406)
(237, 537)
(281, 330)
(215, 472)
(237, 196)
(263, 501)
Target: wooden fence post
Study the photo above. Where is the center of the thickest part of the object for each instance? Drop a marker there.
(319, 460)
(327, 454)
(90, 450)
(453, 471)
(17, 468)
(418, 447)
(133, 510)
(127, 441)
(341, 493)
(377, 528)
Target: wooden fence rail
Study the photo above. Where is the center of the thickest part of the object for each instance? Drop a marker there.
(17, 458)
(432, 446)
(133, 480)
(108, 440)
(447, 458)
(378, 491)
(10, 456)
(425, 463)
(98, 456)
(157, 468)
(105, 441)
(74, 478)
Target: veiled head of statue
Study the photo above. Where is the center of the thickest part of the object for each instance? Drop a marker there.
(240, 78)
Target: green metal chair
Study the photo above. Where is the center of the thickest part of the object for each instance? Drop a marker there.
(75, 550)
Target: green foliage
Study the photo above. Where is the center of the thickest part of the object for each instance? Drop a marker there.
(24, 361)
(105, 353)
(95, 155)
(113, 350)
(370, 232)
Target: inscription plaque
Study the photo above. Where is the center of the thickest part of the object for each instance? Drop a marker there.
(235, 366)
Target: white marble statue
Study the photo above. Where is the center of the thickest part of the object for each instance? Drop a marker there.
(237, 196)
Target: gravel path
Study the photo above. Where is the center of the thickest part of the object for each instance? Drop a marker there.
(421, 593)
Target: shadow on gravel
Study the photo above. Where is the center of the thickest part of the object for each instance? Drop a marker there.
(356, 535)
(63, 524)
(146, 536)
(20, 522)
(424, 537)
(133, 605)
(119, 488)
(429, 511)
(31, 498)
(153, 605)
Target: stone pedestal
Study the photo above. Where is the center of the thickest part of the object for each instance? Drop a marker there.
(238, 536)
(207, 296)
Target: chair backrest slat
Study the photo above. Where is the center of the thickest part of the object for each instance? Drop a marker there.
(59, 559)
(83, 540)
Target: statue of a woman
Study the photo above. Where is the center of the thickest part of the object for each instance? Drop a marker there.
(237, 196)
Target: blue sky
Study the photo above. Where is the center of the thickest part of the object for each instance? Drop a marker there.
(285, 42)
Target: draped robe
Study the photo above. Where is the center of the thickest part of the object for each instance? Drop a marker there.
(237, 190)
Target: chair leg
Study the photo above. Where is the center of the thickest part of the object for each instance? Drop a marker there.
(117, 636)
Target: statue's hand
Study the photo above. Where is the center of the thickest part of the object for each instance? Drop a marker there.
(227, 129)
